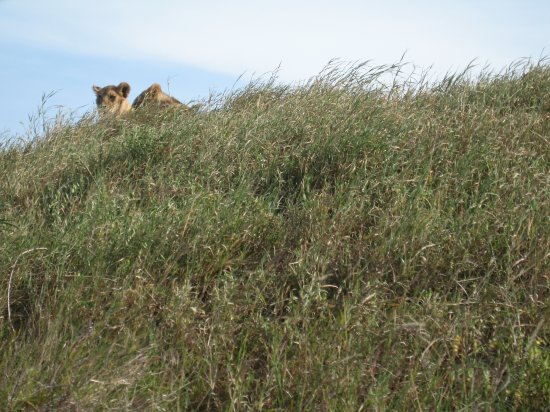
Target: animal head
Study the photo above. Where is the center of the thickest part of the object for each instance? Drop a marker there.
(113, 99)
(155, 96)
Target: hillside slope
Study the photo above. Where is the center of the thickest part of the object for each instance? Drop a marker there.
(332, 246)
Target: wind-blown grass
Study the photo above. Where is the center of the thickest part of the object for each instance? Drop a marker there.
(344, 244)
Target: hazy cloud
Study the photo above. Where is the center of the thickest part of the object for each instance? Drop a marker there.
(245, 36)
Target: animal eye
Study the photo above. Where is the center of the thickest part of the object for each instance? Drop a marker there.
(112, 97)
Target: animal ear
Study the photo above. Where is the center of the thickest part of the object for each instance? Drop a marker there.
(124, 89)
(96, 89)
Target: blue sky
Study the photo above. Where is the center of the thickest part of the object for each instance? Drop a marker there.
(195, 48)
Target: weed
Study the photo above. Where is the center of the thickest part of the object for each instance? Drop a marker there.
(361, 241)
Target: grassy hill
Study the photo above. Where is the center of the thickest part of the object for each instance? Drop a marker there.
(344, 244)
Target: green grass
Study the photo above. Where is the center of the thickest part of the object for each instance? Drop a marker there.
(350, 243)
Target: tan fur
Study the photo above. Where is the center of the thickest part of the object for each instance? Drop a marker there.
(113, 99)
(155, 96)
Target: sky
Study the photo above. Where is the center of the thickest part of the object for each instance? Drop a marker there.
(197, 48)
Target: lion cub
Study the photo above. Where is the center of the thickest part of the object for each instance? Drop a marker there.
(114, 99)
(155, 95)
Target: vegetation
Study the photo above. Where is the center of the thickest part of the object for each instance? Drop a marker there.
(362, 241)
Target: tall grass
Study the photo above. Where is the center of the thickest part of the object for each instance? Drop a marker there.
(362, 241)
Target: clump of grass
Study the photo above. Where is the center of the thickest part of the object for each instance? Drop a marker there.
(350, 243)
